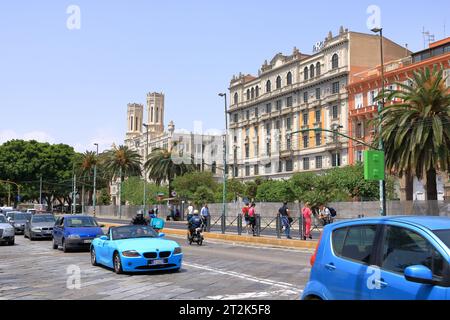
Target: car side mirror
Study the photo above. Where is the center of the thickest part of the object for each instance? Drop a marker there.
(104, 238)
(102, 226)
(161, 235)
(419, 274)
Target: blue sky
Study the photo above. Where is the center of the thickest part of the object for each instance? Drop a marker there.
(72, 86)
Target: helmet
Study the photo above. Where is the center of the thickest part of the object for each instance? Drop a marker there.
(195, 211)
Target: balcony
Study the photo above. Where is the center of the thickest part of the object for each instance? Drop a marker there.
(363, 111)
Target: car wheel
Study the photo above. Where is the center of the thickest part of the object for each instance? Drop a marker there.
(11, 242)
(117, 264)
(64, 245)
(31, 237)
(200, 242)
(55, 245)
(93, 257)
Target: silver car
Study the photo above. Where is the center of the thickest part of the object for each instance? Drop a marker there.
(18, 219)
(40, 226)
(6, 231)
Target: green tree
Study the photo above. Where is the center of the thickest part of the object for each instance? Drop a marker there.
(203, 194)
(186, 185)
(416, 131)
(275, 191)
(133, 191)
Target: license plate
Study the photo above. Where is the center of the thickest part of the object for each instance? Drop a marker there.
(87, 241)
(158, 262)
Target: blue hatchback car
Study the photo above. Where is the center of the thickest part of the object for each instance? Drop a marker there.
(386, 258)
(75, 231)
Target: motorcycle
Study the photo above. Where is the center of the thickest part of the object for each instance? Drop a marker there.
(196, 237)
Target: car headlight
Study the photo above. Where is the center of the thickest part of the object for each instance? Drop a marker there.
(177, 250)
(36, 229)
(17, 225)
(131, 254)
(73, 236)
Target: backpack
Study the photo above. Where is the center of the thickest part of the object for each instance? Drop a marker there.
(245, 211)
(333, 212)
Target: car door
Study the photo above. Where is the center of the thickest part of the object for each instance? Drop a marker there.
(104, 247)
(57, 230)
(400, 248)
(346, 268)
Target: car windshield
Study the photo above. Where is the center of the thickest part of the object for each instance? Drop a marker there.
(21, 216)
(37, 219)
(2, 219)
(444, 235)
(132, 232)
(80, 222)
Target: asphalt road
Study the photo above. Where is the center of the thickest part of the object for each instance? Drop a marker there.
(216, 270)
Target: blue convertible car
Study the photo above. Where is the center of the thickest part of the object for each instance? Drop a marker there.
(134, 248)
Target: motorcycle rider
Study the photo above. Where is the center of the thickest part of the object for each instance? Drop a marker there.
(139, 219)
(194, 222)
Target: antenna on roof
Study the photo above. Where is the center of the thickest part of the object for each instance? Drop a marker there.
(427, 37)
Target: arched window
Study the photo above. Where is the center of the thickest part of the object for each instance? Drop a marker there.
(253, 93)
(257, 91)
(305, 73)
(318, 69)
(311, 71)
(289, 78)
(248, 94)
(335, 61)
(236, 98)
(268, 86)
(278, 82)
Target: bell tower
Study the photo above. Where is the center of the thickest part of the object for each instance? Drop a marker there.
(135, 115)
(155, 111)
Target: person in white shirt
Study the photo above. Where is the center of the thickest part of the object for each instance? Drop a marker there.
(325, 215)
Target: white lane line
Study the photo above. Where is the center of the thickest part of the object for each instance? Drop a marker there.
(284, 285)
(253, 295)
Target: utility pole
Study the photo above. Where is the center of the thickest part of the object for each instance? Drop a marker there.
(94, 200)
(224, 195)
(40, 190)
(145, 170)
(74, 197)
(120, 194)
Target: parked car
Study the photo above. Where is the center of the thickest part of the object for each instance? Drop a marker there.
(18, 219)
(40, 226)
(7, 234)
(136, 248)
(388, 258)
(75, 231)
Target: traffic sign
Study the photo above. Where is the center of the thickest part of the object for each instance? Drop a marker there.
(373, 165)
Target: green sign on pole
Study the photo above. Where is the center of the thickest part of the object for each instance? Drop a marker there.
(373, 165)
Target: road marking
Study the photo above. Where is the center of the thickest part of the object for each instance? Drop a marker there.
(249, 295)
(284, 285)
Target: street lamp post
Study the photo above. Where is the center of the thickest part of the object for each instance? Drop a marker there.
(94, 200)
(380, 108)
(224, 195)
(145, 170)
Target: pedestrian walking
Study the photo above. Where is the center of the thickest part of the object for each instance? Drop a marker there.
(285, 219)
(307, 219)
(205, 214)
(245, 211)
(252, 218)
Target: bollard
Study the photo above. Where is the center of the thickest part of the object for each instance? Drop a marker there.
(258, 225)
(239, 224)
(278, 226)
(222, 223)
(208, 223)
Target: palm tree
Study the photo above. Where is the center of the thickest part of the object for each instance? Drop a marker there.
(122, 162)
(86, 164)
(161, 167)
(416, 130)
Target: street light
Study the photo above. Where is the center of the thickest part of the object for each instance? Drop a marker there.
(380, 108)
(224, 196)
(145, 170)
(94, 200)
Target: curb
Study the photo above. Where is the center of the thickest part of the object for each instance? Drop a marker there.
(285, 243)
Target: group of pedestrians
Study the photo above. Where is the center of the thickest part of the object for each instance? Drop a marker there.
(204, 214)
(249, 214)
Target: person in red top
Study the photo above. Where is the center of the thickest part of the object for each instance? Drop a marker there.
(307, 219)
(245, 210)
(252, 217)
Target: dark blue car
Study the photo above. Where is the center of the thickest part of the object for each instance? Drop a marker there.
(75, 232)
(386, 258)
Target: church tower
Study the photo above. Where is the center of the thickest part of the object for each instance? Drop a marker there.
(135, 115)
(155, 111)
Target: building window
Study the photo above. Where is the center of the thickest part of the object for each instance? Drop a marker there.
(288, 143)
(318, 115)
(305, 141)
(305, 119)
(306, 163)
(131, 123)
(280, 166)
(247, 150)
(268, 108)
(214, 167)
(305, 73)
(247, 171)
(305, 97)
(336, 159)
(268, 86)
(335, 88)
(335, 61)
(253, 93)
(358, 101)
(236, 98)
(289, 102)
(268, 168)
(268, 149)
(257, 91)
(236, 171)
(256, 169)
(359, 156)
(317, 93)
(335, 112)
(157, 115)
(248, 94)
(371, 96)
(247, 114)
(268, 127)
(278, 82)
(311, 71)
(319, 162)
(359, 130)
(236, 117)
(288, 124)
(289, 79)
(289, 166)
(318, 69)
(318, 139)
(277, 124)
(278, 103)
(256, 112)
